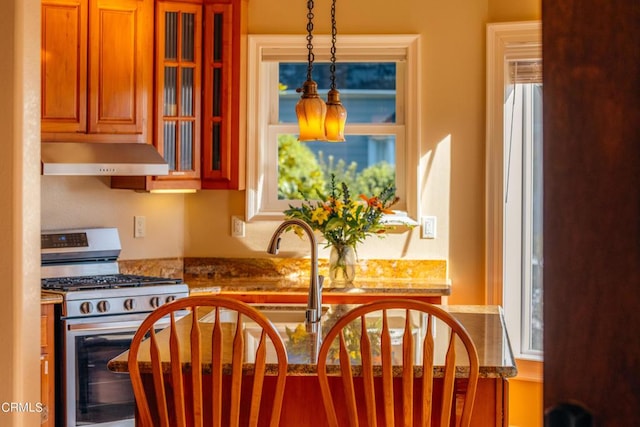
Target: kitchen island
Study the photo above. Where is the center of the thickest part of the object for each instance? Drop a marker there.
(484, 323)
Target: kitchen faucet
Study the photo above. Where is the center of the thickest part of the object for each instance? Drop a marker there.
(314, 303)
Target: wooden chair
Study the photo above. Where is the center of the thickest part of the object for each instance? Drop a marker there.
(197, 366)
(374, 372)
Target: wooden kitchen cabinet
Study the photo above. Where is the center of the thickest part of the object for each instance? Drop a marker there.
(200, 75)
(96, 70)
(224, 112)
(178, 93)
(47, 373)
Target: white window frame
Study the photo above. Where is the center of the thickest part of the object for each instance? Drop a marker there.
(265, 51)
(506, 42)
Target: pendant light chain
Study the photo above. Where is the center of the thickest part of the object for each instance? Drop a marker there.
(336, 113)
(334, 32)
(310, 56)
(317, 120)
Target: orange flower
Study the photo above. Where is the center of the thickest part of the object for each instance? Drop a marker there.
(375, 203)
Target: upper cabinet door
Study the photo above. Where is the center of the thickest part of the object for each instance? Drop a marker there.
(224, 108)
(97, 70)
(178, 88)
(178, 93)
(64, 65)
(119, 41)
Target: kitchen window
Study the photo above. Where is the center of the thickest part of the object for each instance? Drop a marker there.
(378, 81)
(514, 181)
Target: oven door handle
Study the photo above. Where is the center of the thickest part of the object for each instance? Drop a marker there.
(110, 326)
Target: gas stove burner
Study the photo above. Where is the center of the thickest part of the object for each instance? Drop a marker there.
(107, 281)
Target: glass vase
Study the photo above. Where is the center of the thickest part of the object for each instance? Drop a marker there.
(342, 264)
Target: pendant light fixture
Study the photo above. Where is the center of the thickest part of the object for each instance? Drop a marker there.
(336, 113)
(310, 109)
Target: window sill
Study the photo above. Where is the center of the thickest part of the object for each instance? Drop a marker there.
(529, 370)
(399, 218)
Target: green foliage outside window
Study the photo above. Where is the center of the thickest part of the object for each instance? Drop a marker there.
(374, 179)
(302, 176)
(299, 174)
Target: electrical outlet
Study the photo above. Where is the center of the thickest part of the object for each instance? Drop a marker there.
(428, 227)
(139, 226)
(237, 226)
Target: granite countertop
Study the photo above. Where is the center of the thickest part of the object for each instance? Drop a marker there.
(484, 323)
(289, 277)
(301, 286)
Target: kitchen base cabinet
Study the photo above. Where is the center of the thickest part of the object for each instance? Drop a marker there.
(47, 374)
(489, 409)
(302, 404)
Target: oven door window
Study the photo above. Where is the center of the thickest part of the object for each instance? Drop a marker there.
(102, 395)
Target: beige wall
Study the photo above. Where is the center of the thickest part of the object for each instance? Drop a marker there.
(77, 201)
(20, 214)
(514, 10)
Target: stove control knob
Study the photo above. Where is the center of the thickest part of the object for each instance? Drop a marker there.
(103, 306)
(86, 307)
(155, 302)
(170, 298)
(129, 304)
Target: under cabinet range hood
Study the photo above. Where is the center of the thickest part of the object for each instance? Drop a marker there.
(101, 159)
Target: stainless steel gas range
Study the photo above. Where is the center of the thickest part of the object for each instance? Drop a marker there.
(100, 313)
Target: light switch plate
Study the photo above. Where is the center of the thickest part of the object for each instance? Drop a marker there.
(139, 226)
(237, 226)
(428, 227)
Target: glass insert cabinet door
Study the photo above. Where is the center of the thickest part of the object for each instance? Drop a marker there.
(178, 87)
(221, 95)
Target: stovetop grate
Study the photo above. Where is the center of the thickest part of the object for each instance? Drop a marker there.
(108, 281)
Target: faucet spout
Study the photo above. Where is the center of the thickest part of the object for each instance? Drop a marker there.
(314, 301)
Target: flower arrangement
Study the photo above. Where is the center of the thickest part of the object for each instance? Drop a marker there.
(344, 221)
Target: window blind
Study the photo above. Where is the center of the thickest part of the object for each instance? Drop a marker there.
(525, 71)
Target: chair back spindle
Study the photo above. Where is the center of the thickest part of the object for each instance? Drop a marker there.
(406, 398)
(200, 363)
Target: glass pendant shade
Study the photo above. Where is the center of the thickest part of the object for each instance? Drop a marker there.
(311, 111)
(336, 117)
